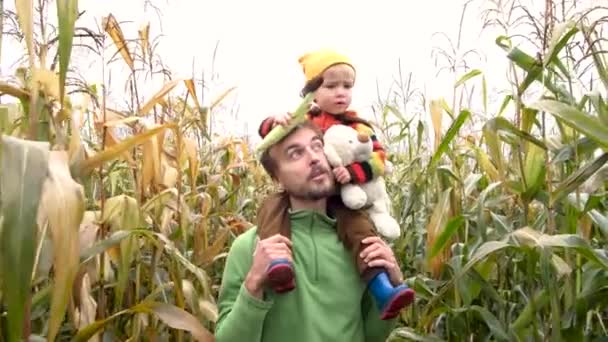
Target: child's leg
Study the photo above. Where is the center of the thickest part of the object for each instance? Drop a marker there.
(272, 219)
(353, 227)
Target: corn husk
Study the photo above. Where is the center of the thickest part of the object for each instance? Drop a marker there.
(280, 131)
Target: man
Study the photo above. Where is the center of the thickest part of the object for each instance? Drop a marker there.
(330, 303)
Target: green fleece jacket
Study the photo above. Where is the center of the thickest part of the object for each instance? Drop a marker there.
(330, 302)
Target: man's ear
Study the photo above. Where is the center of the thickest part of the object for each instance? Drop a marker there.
(332, 156)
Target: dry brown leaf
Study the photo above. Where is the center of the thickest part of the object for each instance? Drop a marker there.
(218, 244)
(178, 319)
(209, 310)
(85, 313)
(112, 28)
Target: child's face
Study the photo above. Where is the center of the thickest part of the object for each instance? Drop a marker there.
(335, 94)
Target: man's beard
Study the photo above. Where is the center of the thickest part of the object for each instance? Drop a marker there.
(313, 193)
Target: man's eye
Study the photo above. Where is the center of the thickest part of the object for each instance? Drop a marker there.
(295, 154)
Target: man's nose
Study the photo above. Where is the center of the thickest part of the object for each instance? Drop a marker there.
(314, 156)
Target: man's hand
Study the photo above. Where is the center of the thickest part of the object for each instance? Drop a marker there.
(379, 254)
(274, 247)
(341, 174)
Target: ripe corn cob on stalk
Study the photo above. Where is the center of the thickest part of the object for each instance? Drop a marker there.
(279, 131)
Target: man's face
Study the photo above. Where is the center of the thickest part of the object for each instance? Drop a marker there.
(302, 168)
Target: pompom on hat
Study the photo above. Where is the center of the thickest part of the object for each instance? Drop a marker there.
(316, 62)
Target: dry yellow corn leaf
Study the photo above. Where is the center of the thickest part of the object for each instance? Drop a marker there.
(25, 16)
(144, 36)
(151, 173)
(147, 107)
(119, 122)
(112, 28)
(47, 81)
(193, 162)
(123, 146)
(221, 98)
(190, 85)
(62, 208)
(436, 117)
(14, 91)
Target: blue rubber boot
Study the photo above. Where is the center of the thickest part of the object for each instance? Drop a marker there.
(389, 299)
(281, 276)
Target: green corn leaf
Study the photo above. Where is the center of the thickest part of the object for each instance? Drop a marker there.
(24, 169)
(577, 178)
(469, 75)
(449, 136)
(67, 12)
(589, 125)
(534, 170)
(601, 107)
(502, 124)
(446, 233)
(491, 321)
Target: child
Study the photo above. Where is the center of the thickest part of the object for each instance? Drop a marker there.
(331, 76)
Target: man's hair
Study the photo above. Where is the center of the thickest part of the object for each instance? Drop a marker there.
(269, 164)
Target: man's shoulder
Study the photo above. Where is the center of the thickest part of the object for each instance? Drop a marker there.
(245, 241)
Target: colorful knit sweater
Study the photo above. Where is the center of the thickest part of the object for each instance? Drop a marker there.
(360, 172)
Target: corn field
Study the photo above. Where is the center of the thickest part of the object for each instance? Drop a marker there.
(115, 222)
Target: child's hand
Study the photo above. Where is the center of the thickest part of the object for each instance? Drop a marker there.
(280, 119)
(341, 174)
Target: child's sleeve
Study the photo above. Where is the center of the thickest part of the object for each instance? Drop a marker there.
(363, 172)
(265, 126)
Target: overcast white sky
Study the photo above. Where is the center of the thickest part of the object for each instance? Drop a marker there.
(260, 42)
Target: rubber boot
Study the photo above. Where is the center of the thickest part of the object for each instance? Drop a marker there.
(389, 299)
(280, 276)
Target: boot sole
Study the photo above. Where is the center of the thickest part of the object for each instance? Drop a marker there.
(403, 299)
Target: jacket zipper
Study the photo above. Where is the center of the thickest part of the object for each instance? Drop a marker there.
(316, 256)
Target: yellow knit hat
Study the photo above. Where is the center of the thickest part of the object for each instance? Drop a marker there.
(314, 63)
